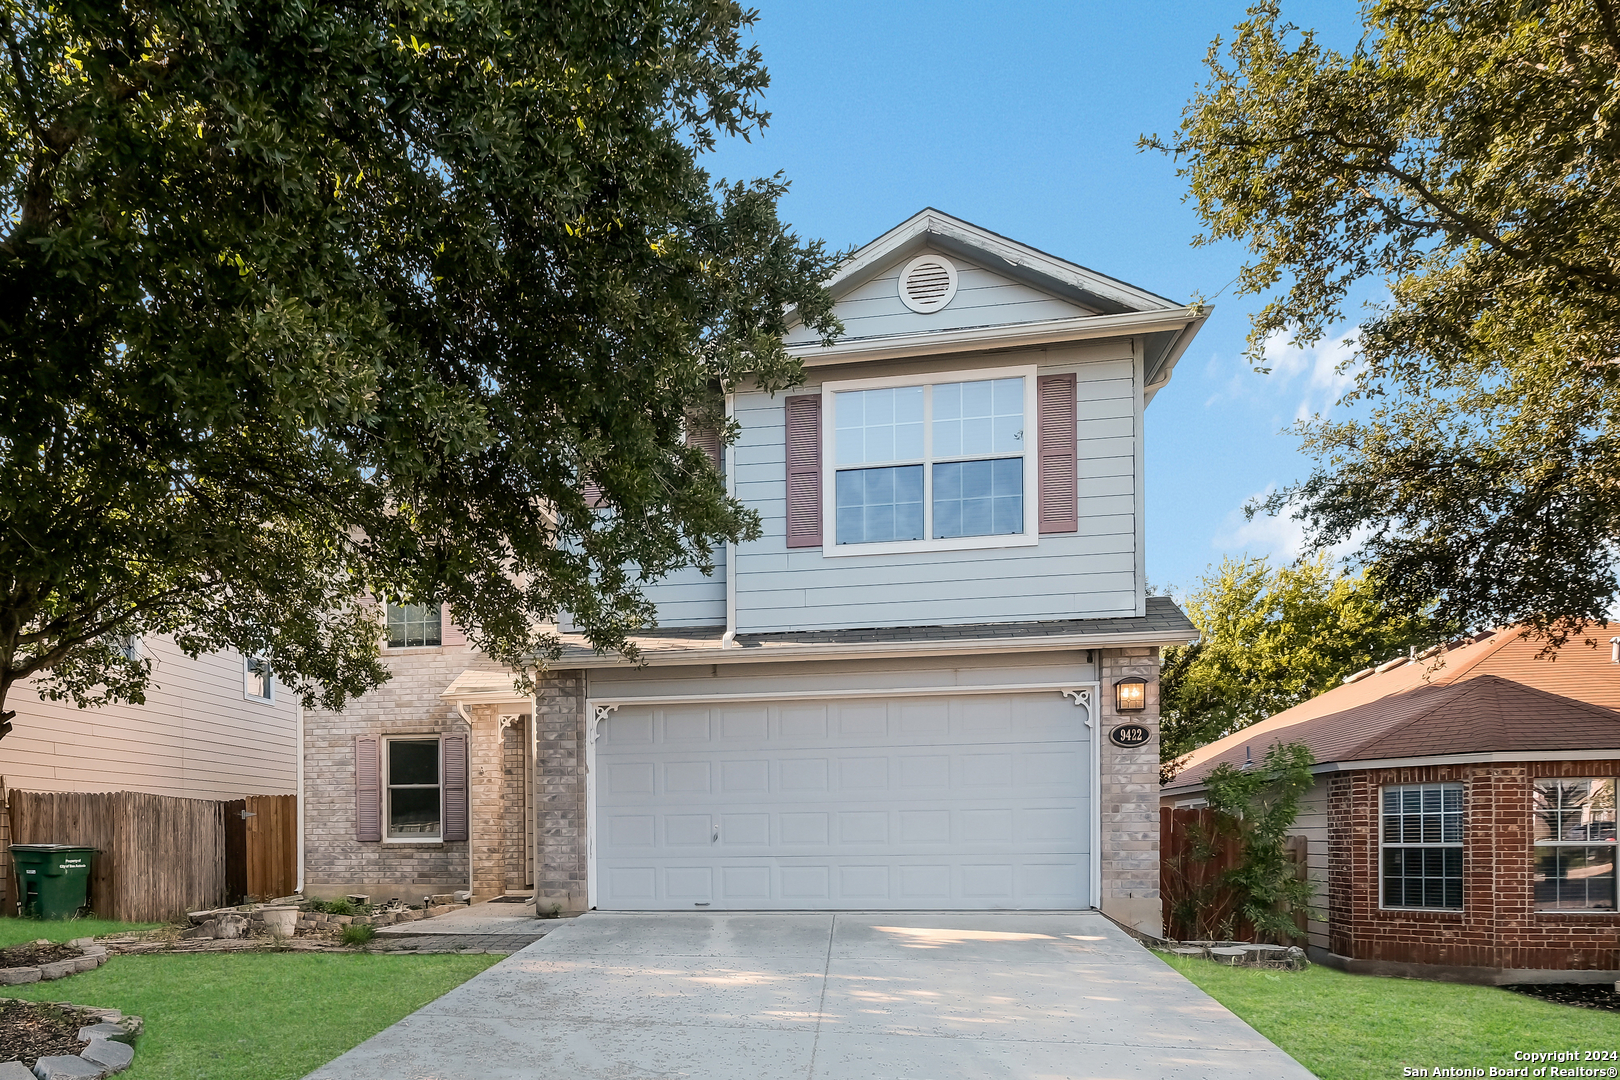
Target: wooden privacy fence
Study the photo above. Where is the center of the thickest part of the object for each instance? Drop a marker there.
(162, 856)
(1193, 855)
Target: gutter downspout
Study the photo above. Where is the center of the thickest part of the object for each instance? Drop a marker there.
(728, 640)
(299, 782)
(461, 707)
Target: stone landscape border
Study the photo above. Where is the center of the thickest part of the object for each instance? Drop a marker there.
(1242, 954)
(94, 956)
(111, 1050)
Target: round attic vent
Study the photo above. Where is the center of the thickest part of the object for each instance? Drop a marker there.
(927, 283)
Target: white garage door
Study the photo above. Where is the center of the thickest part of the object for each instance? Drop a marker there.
(931, 802)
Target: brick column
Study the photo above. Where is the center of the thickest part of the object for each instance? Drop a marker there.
(1129, 798)
(560, 869)
(485, 812)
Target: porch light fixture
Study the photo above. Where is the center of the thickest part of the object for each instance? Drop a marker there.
(1130, 695)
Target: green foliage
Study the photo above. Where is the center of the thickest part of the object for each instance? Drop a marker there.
(1464, 157)
(1269, 638)
(304, 303)
(358, 933)
(1253, 808)
(340, 906)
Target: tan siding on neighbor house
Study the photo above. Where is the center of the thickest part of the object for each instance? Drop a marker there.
(196, 736)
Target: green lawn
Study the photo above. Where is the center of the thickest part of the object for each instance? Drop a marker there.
(257, 1016)
(1350, 1027)
(16, 931)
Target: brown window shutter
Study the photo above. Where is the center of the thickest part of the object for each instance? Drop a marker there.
(1059, 469)
(449, 632)
(367, 788)
(455, 787)
(592, 492)
(803, 415)
(707, 439)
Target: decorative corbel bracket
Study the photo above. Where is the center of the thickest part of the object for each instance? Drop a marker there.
(599, 714)
(1082, 696)
(511, 719)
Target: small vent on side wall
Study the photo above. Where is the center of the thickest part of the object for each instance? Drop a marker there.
(927, 283)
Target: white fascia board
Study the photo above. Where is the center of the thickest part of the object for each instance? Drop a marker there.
(971, 339)
(877, 651)
(937, 223)
(1176, 351)
(1484, 757)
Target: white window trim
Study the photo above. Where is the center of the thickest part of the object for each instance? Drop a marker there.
(832, 549)
(1461, 845)
(388, 789)
(247, 678)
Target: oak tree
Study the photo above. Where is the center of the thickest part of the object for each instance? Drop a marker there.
(305, 303)
(1464, 156)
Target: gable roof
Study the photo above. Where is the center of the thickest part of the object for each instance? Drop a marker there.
(1101, 306)
(1367, 719)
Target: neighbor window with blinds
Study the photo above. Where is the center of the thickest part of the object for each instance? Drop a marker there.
(414, 792)
(936, 462)
(414, 624)
(1421, 841)
(1574, 843)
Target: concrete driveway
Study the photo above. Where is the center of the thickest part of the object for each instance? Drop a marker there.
(852, 996)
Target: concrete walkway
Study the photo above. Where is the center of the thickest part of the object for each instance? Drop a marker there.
(487, 927)
(852, 996)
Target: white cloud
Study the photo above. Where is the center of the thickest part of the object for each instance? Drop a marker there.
(1322, 373)
(1279, 537)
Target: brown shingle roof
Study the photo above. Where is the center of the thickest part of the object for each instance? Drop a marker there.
(1397, 713)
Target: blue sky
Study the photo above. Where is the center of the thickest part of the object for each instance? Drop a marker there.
(1023, 117)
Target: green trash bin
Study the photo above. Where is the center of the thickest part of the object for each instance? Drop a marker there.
(53, 879)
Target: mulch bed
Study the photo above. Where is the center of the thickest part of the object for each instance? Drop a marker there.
(35, 954)
(1581, 995)
(31, 1030)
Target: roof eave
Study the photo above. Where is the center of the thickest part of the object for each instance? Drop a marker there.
(979, 338)
(745, 654)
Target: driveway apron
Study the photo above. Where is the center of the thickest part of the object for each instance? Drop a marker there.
(846, 996)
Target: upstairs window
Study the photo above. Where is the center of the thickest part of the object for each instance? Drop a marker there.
(1574, 830)
(414, 624)
(258, 683)
(931, 462)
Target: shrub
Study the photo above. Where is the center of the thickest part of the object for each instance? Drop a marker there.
(358, 933)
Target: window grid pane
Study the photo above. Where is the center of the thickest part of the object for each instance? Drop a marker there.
(414, 624)
(875, 505)
(1421, 835)
(979, 498)
(1574, 827)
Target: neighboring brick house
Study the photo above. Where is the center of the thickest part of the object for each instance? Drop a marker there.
(1462, 825)
(900, 696)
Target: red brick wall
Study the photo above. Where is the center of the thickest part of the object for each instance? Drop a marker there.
(1498, 926)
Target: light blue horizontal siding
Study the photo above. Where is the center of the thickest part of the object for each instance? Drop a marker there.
(982, 298)
(689, 598)
(1088, 573)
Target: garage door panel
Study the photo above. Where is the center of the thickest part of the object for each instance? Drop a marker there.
(942, 802)
(962, 882)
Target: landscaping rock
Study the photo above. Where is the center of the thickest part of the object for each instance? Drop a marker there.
(84, 943)
(106, 1030)
(231, 926)
(1235, 954)
(1187, 950)
(67, 1068)
(205, 929)
(19, 976)
(15, 1070)
(113, 1056)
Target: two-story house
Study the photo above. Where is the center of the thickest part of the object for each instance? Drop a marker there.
(930, 683)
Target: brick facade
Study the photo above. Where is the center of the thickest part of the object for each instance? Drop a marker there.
(560, 876)
(1498, 927)
(1130, 796)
